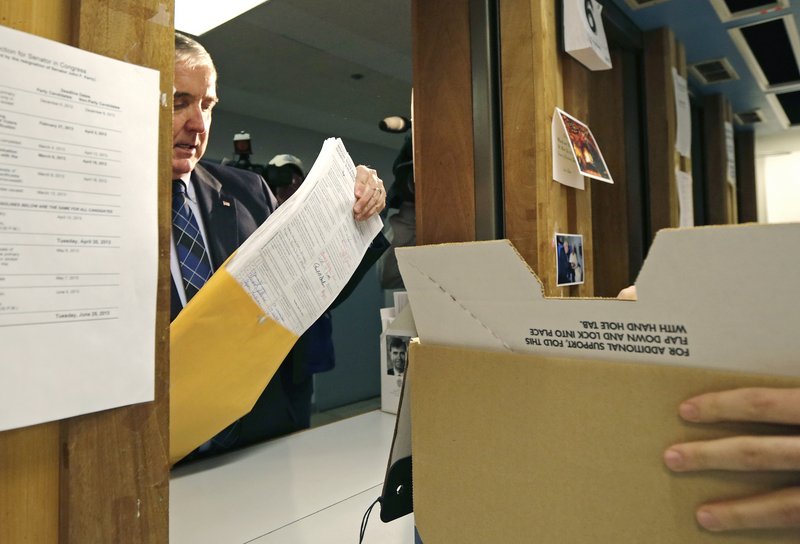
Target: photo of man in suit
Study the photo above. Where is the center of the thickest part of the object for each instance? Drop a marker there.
(397, 350)
(215, 209)
(569, 259)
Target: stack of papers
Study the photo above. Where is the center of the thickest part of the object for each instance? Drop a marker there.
(297, 263)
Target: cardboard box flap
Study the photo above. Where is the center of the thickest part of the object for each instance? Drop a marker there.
(711, 297)
(403, 324)
(445, 294)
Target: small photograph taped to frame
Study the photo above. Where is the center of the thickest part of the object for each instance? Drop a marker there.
(394, 358)
(585, 149)
(569, 259)
(396, 354)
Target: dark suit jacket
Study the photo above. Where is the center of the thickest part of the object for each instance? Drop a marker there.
(233, 203)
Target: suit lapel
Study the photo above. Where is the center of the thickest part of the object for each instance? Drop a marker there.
(219, 216)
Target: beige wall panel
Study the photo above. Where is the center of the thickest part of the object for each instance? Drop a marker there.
(746, 177)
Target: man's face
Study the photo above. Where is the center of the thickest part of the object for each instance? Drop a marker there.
(195, 97)
(398, 357)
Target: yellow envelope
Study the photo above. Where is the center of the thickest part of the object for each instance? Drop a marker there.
(223, 352)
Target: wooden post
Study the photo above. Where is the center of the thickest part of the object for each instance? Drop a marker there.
(535, 207)
(661, 55)
(578, 82)
(102, 477)
(532, 86)
(444, 173)
(746, 176)
(29, 458)
(610, 202)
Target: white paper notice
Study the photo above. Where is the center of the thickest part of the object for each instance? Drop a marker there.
(683, 134)
(730, 153)
(685, 198)
(300, 259)
(584, 35)
(78, 230)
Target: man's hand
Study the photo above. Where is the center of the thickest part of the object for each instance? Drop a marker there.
(370, 194)
(629, 293)
(744, 453)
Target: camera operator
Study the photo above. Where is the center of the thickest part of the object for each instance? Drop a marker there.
(284, 174)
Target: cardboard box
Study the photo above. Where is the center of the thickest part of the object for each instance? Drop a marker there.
(562, 442)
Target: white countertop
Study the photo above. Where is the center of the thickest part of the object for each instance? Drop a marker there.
(309, 487)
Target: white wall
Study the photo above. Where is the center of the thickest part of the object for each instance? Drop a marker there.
(778, 176)
(782, 187)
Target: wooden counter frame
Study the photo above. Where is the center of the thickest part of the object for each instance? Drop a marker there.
(101, 477)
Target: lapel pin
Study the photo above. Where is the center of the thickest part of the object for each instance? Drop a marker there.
(226, 203)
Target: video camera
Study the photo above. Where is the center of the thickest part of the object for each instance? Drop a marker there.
(243, 149)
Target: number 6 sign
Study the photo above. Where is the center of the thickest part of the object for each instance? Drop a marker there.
(584, 36)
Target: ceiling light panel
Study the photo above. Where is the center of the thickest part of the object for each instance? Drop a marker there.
(771, 50)
(790, 103)
(197, 17)
(731, 10)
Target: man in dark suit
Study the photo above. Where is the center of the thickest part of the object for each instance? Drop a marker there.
(215, 209)
(564, 268)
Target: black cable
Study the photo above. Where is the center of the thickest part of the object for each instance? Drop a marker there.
(365, 519)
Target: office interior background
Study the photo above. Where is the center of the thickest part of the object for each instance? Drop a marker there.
(293, 72)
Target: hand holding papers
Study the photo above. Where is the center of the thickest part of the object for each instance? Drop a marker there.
(296, 264)
(230, 339)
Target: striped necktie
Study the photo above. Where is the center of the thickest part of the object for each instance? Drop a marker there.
(192, 254)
